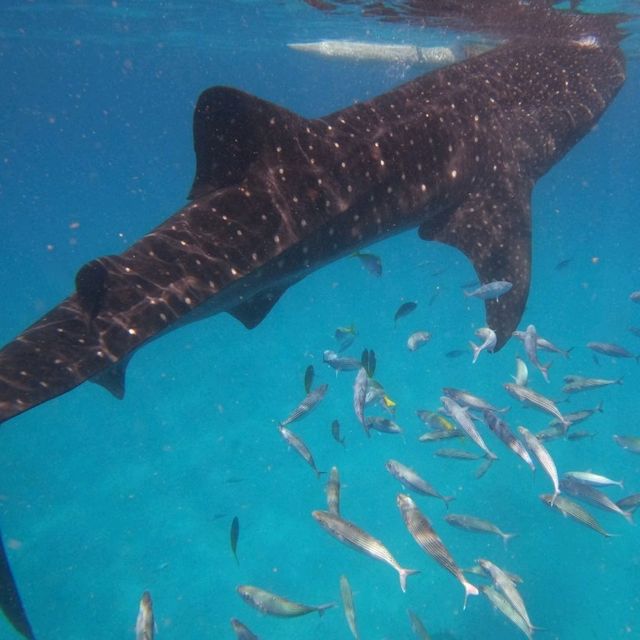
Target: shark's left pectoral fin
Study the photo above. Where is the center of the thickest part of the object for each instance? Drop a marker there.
(10, 602)
(493, 229)
(112, 379)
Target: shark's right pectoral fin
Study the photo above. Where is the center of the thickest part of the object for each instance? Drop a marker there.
(493, 229)
(252, 312)
(10, 602)
(112, 378)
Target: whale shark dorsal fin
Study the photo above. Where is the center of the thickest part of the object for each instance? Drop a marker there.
(112, 379)
(493, 229)
(252, 312)
(91, 286)
(230, 130)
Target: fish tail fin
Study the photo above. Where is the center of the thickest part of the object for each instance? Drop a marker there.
(544, 370)
(404, 574)
(506, 537)
(599, 408)
(476, 350)
(323, 607)
(321, 473)
(447, 500)
(554, 496)
(567, 353)
(469, 590)
(628, 515)
(620, 380)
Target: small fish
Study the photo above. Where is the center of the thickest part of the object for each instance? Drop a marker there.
(467, 399)
(293, 441)
(435, 436)
(635, 331)
(347, 604)
(580, 435)
(634, 296)
(345, 336)
(335, 432)
(417, 340)
(456, 454)
(435, 420)
(522, 373)
(574, 383)
(490, 291)
(409, 478)
(477, 525)
(612, 350)
(484, 467)
(577, 416)
(340, 363)
(479, 571)
(242, 631)
(310, 402)
(593, 496)
(543, 456)
(490, 339)
(423, 533)
(383, 425)
(308, 378)
(563, 264)
(360, 395)
(531, 398)
(455, 353)
(461, 416)
(275, 605)
(145, 624)
(546, 345)
(501, 429)
(371, 262)
(630, 443)
(502, 582)
(404, 310)
(595, 479)
(417, 627)
(530, 340)
(356, 538)
(574, 510)
(368, 361)
(234, 533)
(502, 604)
(333, 491)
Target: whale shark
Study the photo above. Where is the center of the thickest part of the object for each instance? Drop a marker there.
(454, 153)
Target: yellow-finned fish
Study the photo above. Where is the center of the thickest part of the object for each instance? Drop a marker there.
(275, 605)
(145, 624)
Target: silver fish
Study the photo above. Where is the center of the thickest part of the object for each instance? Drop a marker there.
(574, 384)
(423, 533)
(356, 538)
(145, 624)
(630, 443)
(634, 296)
(544, 457)
(349, 609)
(457, 454)
(531, 349)
(435, 436)
(477, 525)
(594, 496)
(359, 395)
(418, 628)
(295, 442)
(546, 345)
(274, 605)
(500, 602)
(242, 631)
(340, 363)
(576, 417)
(461, 416)
(502, 581)
(471, 401)
(335, 432)
(595, 479)
(629, 503)
(522, 373)
(489, 342)
(309, 403)
(531, 398)
(611, 349)
(501, 429)
(333, 491)
(417, 340)
(384, 425)
(490, 291)
(570, 508)
(409, 478)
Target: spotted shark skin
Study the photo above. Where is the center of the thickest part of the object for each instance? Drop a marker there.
(454, 153)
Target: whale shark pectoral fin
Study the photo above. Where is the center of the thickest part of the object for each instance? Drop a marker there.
(231, 129)
(112, 378)
(252, 312)
(493, 229)
(10, 602)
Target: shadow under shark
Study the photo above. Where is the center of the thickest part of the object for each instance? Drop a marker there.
(455, 153)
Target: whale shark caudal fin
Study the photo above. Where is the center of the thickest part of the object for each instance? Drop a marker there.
(493, 229)
(10, 602)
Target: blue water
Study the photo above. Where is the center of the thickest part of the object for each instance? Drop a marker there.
(100, 499)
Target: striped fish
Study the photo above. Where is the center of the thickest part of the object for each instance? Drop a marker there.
(293, 441)
(501, 429)
(333, 491)
(502, 604)
(309, 403)
(422, 531)
(594, 496)
(574, 510)
(409, 478)
(356, 538)
(349, 609)
(533, 399)
(275, 605)
(543, 456)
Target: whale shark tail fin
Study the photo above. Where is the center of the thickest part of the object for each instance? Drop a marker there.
(493, 229)
(10, 602)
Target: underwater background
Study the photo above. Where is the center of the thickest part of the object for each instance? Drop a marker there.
(101, 500)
